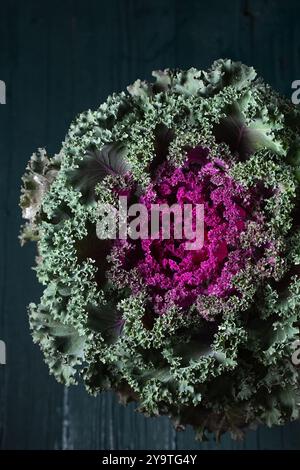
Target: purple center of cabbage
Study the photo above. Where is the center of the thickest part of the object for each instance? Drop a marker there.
(173, 274)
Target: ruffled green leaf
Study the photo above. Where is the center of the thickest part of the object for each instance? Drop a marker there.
(96, 165)
(40, 173)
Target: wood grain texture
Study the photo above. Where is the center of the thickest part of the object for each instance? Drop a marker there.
(58, 58)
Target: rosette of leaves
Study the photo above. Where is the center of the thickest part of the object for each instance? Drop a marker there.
(220, 362)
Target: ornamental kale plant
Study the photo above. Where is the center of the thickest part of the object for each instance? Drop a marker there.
(203, 336)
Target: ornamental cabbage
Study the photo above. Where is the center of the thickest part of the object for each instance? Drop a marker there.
(204, 336)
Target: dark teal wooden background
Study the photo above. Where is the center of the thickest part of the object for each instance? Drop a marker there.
(59, 58)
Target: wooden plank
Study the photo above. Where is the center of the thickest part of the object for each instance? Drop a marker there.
(31, 417)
